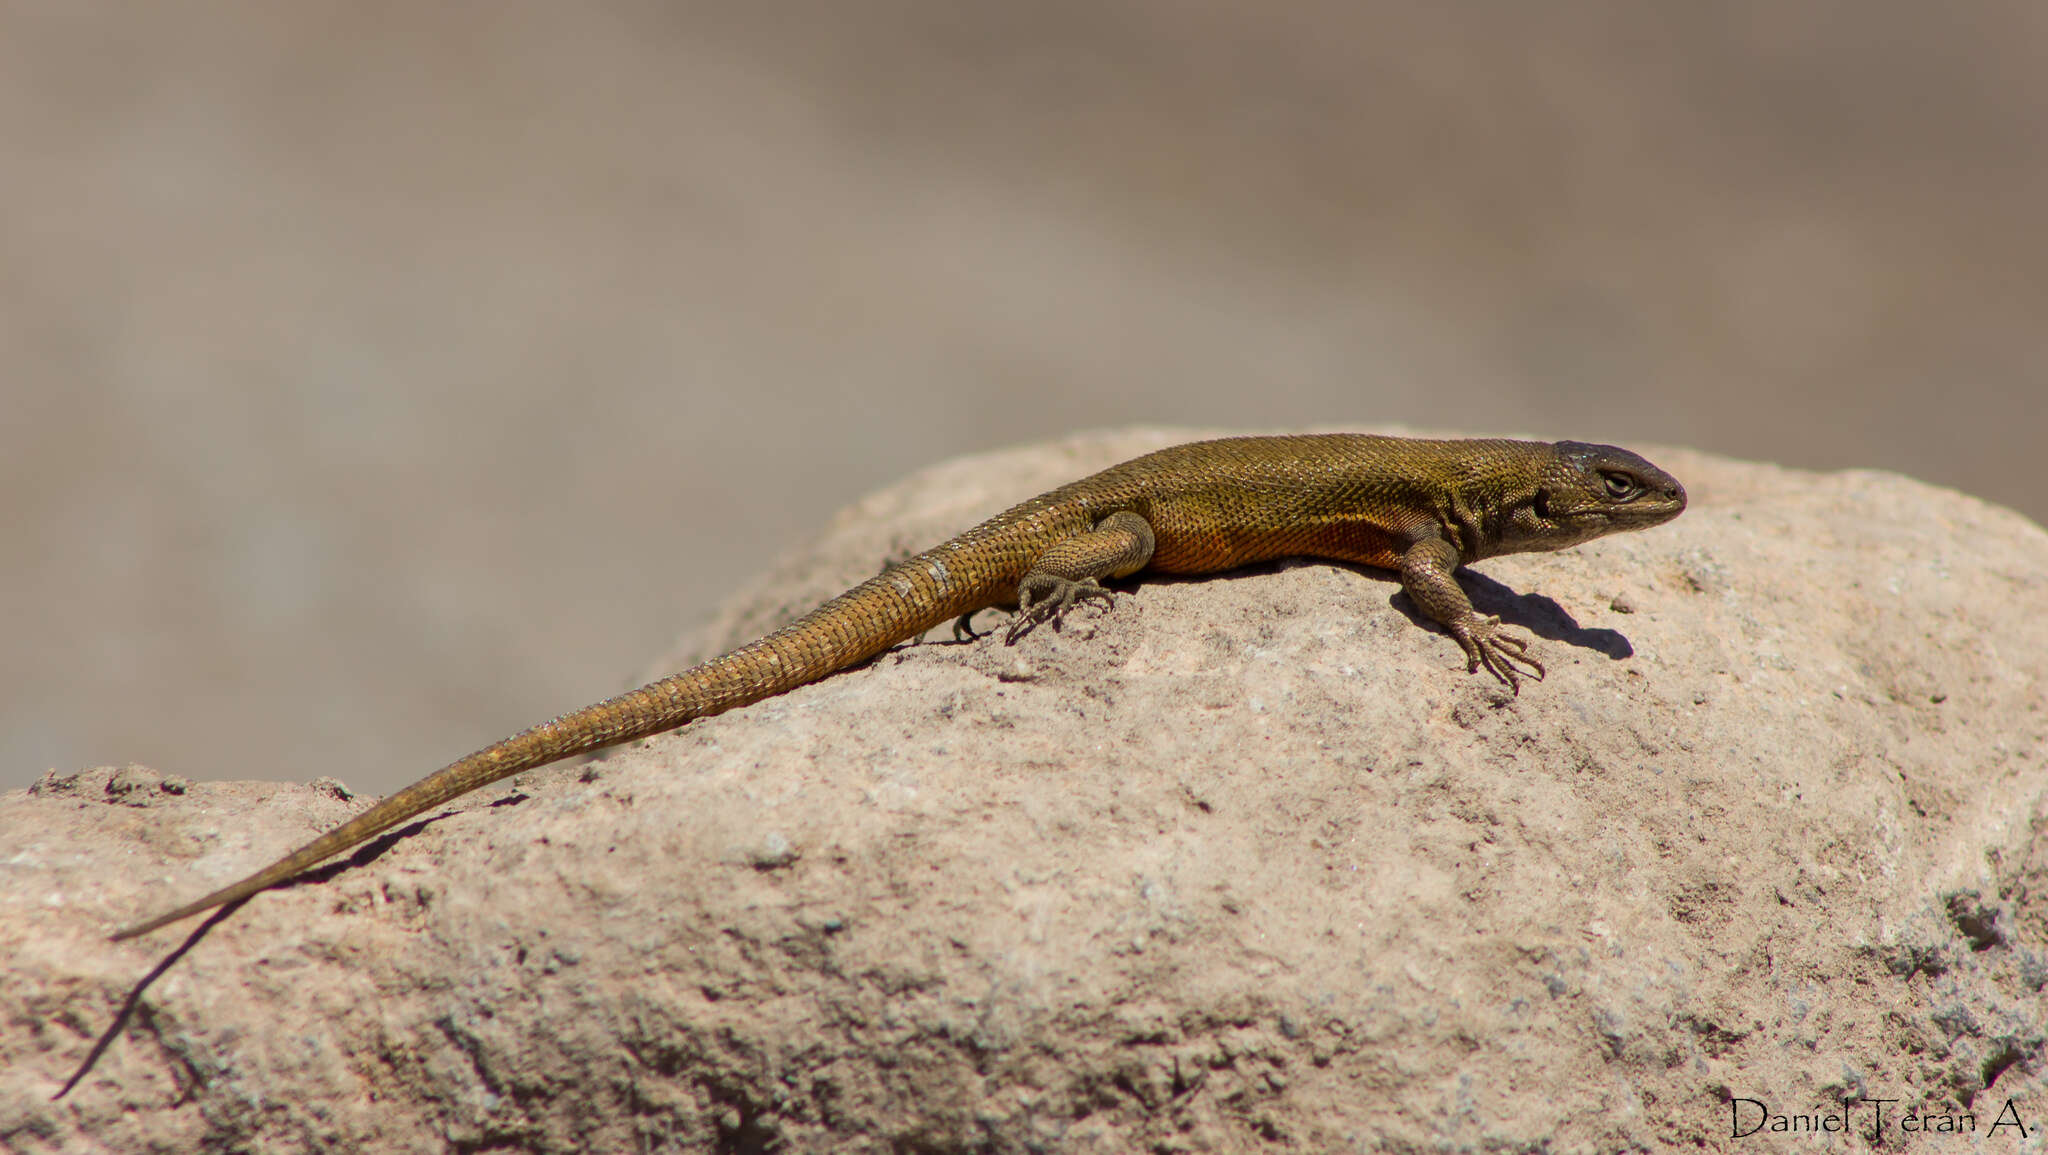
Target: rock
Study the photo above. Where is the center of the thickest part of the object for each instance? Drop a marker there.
(1245, 863)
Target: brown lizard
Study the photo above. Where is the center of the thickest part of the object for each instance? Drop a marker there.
(1422, 508)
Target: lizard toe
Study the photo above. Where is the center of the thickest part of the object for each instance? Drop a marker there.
(1044, 598)
(1505, 655)
(963, 627)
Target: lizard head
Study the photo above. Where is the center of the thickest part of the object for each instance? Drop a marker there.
(1589, 491)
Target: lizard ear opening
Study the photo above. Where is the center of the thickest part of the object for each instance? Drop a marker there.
(1542, 504)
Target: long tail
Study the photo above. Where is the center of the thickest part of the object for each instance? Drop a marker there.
(901, 602)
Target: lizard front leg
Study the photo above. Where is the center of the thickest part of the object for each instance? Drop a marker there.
(1426, 575)
(1072, 570)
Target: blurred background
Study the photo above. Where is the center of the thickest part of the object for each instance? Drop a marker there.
(379, 378)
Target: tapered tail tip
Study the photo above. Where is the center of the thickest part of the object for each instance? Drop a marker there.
(139, 929)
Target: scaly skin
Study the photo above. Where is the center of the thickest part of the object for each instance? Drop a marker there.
(1421, 508)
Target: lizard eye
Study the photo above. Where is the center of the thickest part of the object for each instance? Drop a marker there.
(1620, 486)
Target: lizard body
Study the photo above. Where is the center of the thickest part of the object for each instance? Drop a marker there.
(1421, 508)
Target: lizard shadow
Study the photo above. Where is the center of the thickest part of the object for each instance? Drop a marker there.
(367, 853)
(1533, 612)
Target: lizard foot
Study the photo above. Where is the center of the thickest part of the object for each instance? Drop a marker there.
(963, 627)
(1041, 597)
(1488, 643)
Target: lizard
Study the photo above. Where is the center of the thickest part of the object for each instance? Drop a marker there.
(1421, 508)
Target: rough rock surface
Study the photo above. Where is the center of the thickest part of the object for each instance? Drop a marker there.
(1247, 863)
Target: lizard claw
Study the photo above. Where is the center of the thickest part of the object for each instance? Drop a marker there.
(1487, 643)
(1045, 598)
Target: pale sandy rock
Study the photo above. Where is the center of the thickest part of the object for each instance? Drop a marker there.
(1248, 863)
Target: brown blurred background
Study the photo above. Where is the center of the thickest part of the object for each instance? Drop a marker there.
(376, 379)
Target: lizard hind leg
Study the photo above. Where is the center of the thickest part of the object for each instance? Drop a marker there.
(1071, 571)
